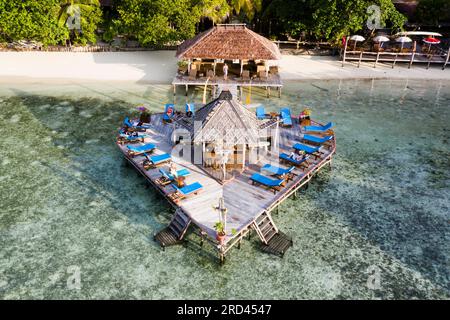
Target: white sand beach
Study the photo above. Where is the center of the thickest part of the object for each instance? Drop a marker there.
(160, 67)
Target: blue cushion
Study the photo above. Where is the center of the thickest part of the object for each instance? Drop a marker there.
(188, 189)
(316, 139)
(307, 149)
(285, 114)
(266, 180)
(169, 111)
(142, 148)
(276, 170)
(260, 113)
(319, 128)
(160, 158)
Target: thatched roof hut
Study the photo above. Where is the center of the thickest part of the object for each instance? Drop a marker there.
(229, 42)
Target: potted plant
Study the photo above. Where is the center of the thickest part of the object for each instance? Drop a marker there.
(182, 66)
(220, 229)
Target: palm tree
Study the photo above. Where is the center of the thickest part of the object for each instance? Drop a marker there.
(248, 7)
(215, 10)
(70, 14)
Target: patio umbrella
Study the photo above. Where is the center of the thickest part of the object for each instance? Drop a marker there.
(381, 39)
(430, 41)
(403, 40)
(356, 38)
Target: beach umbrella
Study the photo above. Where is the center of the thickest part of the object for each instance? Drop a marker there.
(403, 40)
(381, 39)
(430, 41)
(356, 38)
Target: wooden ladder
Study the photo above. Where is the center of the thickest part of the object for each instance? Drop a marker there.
(179, 224)
(265, 227)
(173, 234)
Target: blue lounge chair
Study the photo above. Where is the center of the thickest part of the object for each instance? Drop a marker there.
(285, 115)
(279, 172)
(273, 184)
(318, 128)
(305, 148)
(153, 161)
(131, 126)
(181, 193)
(169, 112)
(190, 109)
(124, 138)
(315, 139)
(137, 150)
(285, 157)
(260, 113)
(167, 177)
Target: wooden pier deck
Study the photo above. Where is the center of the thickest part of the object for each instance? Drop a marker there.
(246, 203)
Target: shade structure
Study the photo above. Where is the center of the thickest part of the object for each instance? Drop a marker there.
(403, 39)
(357, 37)
(431, 40)
(418, 33)
(381, 39)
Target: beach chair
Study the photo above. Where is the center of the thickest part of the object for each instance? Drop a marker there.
(167, 178)
(260, 113)
(281, 173)
(286, 118)
(317, 140)
(169, 112)
(153, 161)
(287, 159)
(190, 109)
(318, 128)
(307, 149)
(182, 193)
(262, 75)
(210, 74)
(142, 149)
(125, 138)
(273, 184)
(134, 127)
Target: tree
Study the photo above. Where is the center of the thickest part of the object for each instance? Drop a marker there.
(433, 12)
(248, 7)
(329, 19)
(81, 18)
(30, 20)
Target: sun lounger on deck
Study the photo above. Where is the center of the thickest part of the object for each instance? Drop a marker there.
(131, 126)
(307, 149)
(125, 138)
(279, 172)
(273, 184)
(286, 158)
(167, 178)
(190, 109)
(318, 128)
(137, 150)
(315, 139)
(260, 113)
(181, 193)
(286, 118)
(153, 161)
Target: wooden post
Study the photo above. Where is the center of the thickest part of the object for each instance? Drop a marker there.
(446, 60)
(376, 60)
(279, 92)
(395, 59)
(360, 57)
(345, 51)
(243, 156)
(429, 61)
(174, 90)
(187, 89)
(412, 60)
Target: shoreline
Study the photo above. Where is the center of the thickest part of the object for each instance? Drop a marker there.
(159, 67)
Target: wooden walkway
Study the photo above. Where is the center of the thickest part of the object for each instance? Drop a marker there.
(248, 206)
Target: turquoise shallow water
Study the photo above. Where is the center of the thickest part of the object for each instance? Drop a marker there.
(68, 202)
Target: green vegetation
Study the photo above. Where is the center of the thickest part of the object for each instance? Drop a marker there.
(433, 11)
(156, 22)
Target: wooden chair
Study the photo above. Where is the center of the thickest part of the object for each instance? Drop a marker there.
(193, 74)
(246, 75)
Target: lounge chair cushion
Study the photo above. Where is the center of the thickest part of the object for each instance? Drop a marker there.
(307, 149)
(142, 148)
(169, 111)
(276, 170)
(188, 189)
(159, 158)
(266, 180)
(286, 157)
(316, 139)
(318, 128)
(285, 114)
(181, 173)
(260, 113)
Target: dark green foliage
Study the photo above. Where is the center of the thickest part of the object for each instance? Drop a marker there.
(433, 12)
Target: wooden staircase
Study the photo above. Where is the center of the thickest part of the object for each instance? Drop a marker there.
(273, 240)
(173, 234)
(265, 227)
